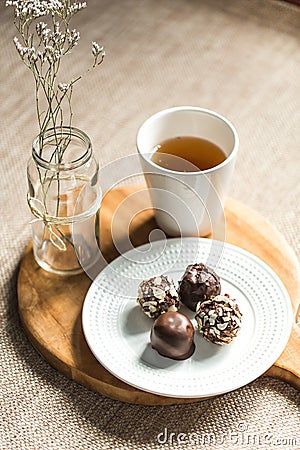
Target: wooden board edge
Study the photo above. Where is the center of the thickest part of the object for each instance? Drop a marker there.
(128, 395)
(283, 374)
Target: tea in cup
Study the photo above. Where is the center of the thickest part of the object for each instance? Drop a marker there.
(187, 156)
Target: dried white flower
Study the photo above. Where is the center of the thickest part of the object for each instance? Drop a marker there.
(49, 48)
(37, 8)
(96, 49)
(56, 29)
(27, 54)
(76, 7)
(45, 36)
(97, 52)
(20, 48)
(40, 27)
(41, 56)
(64, 87)
(73, 37)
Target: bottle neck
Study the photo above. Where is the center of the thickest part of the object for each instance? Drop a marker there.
(62, 148)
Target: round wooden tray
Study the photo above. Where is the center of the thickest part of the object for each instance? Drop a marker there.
(50, 305)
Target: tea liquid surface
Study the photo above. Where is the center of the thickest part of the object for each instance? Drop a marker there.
(187, 154)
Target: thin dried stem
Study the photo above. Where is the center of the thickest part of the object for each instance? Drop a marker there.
(41, 45)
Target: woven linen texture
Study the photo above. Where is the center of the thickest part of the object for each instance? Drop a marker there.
(240, 58)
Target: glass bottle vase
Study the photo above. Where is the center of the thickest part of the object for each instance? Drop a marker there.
(64, 197)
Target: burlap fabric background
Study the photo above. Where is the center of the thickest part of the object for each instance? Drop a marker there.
(238, 57)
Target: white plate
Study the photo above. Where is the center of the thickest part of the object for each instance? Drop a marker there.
(118, 332)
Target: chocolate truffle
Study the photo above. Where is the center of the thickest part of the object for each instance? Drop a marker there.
(172, 335)
(198, 283)
(219, 319)
(157, 295)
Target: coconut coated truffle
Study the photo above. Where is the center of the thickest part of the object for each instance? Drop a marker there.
(219, 319)
(157, 296)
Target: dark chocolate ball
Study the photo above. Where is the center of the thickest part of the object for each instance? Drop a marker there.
(198, 283)
(172, 335)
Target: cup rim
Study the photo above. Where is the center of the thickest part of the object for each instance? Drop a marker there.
(197, 109)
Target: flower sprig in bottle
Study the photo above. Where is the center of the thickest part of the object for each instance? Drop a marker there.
(41, 45)
(62, 173)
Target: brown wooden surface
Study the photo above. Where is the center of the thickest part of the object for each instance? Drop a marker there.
(50, 305)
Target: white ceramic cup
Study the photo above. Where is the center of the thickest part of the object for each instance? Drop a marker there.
(187, 203)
